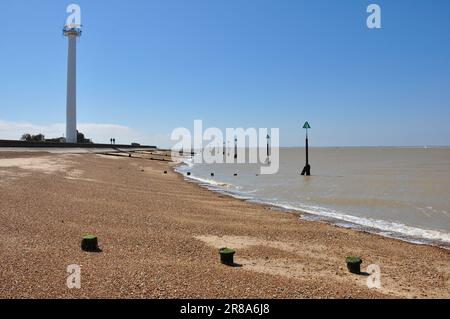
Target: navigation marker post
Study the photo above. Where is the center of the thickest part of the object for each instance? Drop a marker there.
(268, 162)
(307, 170)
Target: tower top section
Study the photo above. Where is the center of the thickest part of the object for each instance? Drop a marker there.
(72, 31)
(73, 22)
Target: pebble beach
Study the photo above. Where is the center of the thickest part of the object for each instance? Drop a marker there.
(160, 237)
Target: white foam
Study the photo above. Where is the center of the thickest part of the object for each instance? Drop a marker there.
(387, 228)
(210, 182)
(189, 162)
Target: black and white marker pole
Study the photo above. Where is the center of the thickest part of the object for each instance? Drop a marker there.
(235, 148)
(307, 170)
(268, 162)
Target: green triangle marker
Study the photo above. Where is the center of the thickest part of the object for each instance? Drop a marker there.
(306, 126)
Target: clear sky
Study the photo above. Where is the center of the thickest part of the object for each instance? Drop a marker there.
(146, 67)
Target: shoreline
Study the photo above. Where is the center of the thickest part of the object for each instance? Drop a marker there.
(160, 236)
(332, 221)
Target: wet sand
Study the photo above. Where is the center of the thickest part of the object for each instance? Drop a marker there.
(160, 237)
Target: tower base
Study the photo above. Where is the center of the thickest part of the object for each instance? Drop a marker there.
(307, 170)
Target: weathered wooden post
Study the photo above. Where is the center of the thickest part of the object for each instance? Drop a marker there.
(354, 264)
(89, 243)
(227, 256)
(307, 170)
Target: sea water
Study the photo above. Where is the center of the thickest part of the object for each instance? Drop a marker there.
(397, 192)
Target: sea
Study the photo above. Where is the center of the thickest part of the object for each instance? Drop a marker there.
(402, 193)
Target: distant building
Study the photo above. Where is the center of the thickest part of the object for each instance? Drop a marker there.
(82, 140)
(56, 140)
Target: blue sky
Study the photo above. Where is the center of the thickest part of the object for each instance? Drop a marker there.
(147, 67)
